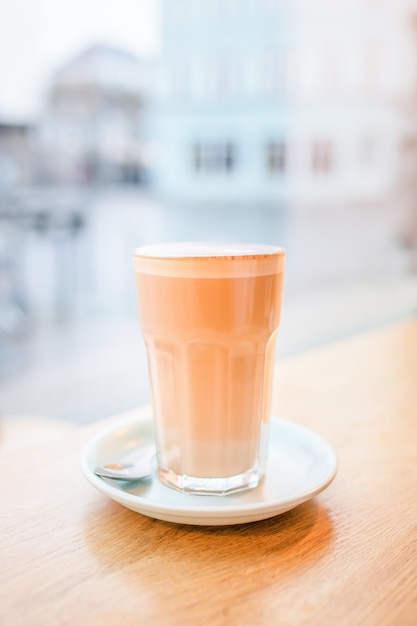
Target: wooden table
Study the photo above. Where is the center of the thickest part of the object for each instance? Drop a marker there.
(348, 557)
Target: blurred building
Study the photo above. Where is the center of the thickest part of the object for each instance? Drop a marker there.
(270, 101)
(92, 128)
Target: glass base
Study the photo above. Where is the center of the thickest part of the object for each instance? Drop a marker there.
(210, 486)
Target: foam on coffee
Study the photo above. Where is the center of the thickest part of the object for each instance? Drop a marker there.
(211, 260)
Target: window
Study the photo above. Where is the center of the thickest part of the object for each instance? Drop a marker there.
(276, 157)
(178, 78)
(408, 158)
(322, 157)
(275, 72)
(368, 152)
(223, 75)
(331, 69)
(372, 69)
(214, 157)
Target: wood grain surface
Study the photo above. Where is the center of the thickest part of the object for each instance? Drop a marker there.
(348, 557)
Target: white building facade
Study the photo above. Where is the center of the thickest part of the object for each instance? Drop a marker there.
(271, 101)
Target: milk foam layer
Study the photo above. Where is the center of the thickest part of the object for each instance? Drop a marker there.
(210, 260)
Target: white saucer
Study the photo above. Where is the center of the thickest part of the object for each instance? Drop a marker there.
(300, 465)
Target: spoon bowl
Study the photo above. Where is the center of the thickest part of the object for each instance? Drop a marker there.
(139, 468)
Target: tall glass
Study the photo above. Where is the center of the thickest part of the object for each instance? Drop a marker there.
(210, 316)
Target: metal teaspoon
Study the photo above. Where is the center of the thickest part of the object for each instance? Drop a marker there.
(139, 468)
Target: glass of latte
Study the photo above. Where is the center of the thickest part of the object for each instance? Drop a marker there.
(210, 316)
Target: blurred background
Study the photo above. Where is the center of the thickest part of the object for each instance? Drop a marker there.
(123, 123)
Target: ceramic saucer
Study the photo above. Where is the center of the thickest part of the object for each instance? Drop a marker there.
(300, 465)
